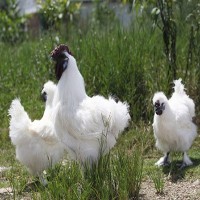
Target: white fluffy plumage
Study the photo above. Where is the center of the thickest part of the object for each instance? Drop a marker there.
(173, 127)
(37, 146)
(88, 126)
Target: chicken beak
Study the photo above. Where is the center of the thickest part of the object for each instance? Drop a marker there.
(159, 109)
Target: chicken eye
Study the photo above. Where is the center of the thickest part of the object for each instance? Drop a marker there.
(157, 104)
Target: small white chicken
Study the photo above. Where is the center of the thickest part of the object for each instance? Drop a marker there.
(173, 125)
(37, 146)
(88, 126)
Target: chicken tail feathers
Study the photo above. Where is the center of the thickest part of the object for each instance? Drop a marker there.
(19, 122)
(179, 87)
(121, 116)
(179, 91)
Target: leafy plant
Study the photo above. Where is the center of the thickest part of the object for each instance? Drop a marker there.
(53, 13)
(12, 25)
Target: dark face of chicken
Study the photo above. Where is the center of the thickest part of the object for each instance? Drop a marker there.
(159, 107)
(61, 60)
(44, 96)
(61, 65)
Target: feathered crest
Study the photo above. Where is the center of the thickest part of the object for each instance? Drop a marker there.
(56, 52)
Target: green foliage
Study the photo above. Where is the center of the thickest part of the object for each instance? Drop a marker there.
(158, 180)
(117, 175)
(103, 15)
(53, 13)
(24, 69)
(174, 18)
(127, 64)
(12, 25)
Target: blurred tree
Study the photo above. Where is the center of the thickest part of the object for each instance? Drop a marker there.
(164, 19)
(53, 13)
(12, 25)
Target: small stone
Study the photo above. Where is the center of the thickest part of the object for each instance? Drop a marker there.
(5, 190)
(197, 182)
(2, 169)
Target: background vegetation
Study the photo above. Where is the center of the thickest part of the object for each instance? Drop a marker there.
(161, 44)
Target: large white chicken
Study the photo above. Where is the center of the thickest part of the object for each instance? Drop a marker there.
(37, 146)
(88, 126)
(173, 125)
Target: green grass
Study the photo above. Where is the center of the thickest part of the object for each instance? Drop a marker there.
(128, 64)
(157, 177)
(118, 175)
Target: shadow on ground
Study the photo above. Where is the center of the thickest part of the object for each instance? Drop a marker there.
(34, 186)
(175, 173)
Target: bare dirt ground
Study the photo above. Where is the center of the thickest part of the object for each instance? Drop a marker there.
(181, 190)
